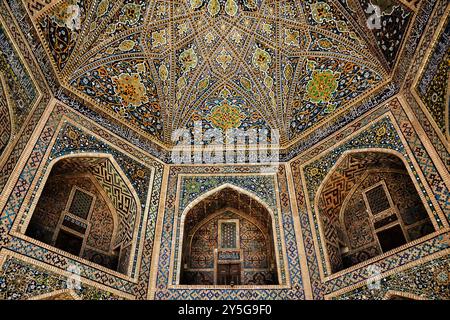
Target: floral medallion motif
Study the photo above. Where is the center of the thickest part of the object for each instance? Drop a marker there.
(159, 38)
(226, 116)
(214, 7)
(322, 86)
(224, 59)
(292, 37)
(261, 60)
(230, 7)
(130, 89)
(251, 4)
(188, 59)
(442, 276)
(102, 8)
(321, 12)
(192, 48)
(127, 45)
(131, 13)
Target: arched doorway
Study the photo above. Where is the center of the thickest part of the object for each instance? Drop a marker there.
(228, 240)
(369, 205)
(86, 209)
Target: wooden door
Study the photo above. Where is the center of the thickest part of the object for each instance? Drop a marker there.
(228, 274)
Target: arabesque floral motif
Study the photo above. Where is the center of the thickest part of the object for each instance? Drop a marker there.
(188, 59)
(322, 86)
(226, 116)
(130, 89)
(261, 59)
(321, 12)
(131, 13)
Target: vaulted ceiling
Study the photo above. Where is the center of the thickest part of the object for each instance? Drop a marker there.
(161, 65)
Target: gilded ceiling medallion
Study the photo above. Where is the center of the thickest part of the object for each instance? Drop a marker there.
(226, 116)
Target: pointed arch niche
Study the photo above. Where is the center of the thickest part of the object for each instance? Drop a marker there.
(88, 209)
(369, 205)
(228, 240)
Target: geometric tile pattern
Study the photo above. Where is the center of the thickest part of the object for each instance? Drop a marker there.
(20, 280)
(19, 86)
(429, 280)
(34, 88)
(5, 120)
(141, 184)
(394, 22)
(121, 197)
(304, 62)
(424, 11)
(283, 220)
(433, 85)
(432, 176)
(432, 13)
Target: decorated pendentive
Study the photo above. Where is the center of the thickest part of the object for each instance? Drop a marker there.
(327, 85)
(127, 89)
(62, 28)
